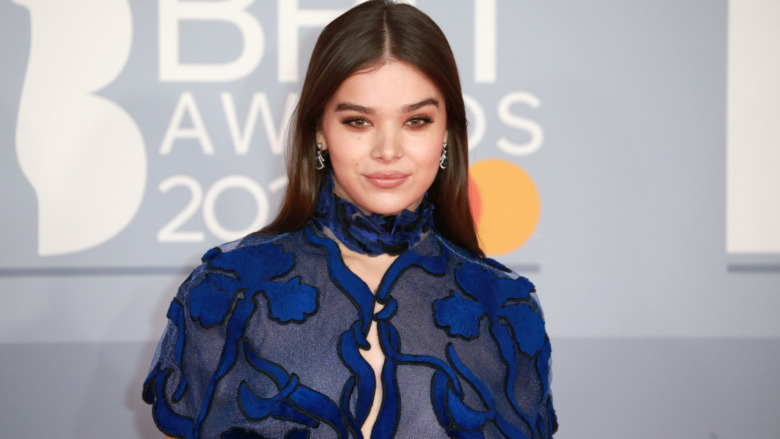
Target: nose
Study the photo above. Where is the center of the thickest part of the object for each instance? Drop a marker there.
(387, 146)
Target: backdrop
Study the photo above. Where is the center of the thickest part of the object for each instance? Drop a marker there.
(625, 156)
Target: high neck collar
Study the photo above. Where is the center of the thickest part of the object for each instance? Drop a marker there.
(371, 234)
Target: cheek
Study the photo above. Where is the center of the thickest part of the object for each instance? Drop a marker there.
(431, 155)
(338, 149)
(345, 161)
(343, 157)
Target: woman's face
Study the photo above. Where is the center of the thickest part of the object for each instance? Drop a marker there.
(384, 129)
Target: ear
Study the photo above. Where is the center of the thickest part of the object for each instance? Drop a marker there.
(446, 137)
(321, 139)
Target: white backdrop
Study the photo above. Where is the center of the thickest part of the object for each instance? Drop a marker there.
(626, 156)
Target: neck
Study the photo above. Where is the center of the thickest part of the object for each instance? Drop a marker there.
(371, 234)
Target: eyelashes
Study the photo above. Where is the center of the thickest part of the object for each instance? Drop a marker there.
(357, 122)
(417, 121)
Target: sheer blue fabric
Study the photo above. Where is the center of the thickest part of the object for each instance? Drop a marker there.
(264, 340)
(371, 234)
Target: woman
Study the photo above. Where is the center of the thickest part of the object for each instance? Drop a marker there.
(366, 308)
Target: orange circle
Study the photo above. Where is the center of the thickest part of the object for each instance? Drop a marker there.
(475, 201)
(508, 205)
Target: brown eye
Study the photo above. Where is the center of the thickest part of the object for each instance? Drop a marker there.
(418, 121)
(357, 122)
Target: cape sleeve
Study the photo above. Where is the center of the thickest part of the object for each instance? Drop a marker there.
(500, 311)
(540, 371)
(526, 350)
(530, 376)
(529, 363)
(200, 379)
(178, 380)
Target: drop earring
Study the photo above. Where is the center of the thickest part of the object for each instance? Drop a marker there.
(320, 165)
(443, 158)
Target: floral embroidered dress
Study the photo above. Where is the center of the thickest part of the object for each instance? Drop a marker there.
(264, 341)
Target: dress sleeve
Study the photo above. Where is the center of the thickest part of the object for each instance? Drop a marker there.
(199, 380)
(532, 373)
(499, 311)
(178, 378)
(546, 419)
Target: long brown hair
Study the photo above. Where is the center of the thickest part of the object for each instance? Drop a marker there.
(369, 34)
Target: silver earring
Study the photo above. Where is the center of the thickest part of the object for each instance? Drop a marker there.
(320, 165)
(443, 158)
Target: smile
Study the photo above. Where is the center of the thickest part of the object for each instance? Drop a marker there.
(387, 180)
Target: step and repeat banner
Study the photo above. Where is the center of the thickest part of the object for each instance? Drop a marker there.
(625, 156)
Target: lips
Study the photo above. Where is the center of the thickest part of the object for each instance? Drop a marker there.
(387, 180)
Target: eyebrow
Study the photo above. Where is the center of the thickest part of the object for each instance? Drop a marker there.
(412, 107)
(347, 106)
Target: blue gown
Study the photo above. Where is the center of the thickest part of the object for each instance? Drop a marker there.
(263, 341)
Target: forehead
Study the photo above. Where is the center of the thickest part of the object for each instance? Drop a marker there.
(389, 86)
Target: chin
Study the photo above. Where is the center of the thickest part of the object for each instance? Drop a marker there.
(393, 210)
(383, 211)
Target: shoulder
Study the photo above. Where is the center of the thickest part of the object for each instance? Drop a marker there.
(485, 288)
(249, 241)
(487, 281)
(252, 248)
(460, 256)
(238, 267)
(243, 258)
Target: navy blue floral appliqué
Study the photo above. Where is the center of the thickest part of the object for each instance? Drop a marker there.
(267, 338)
(231, 272)
(514, 323)
(227, 288)
(499, 299)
